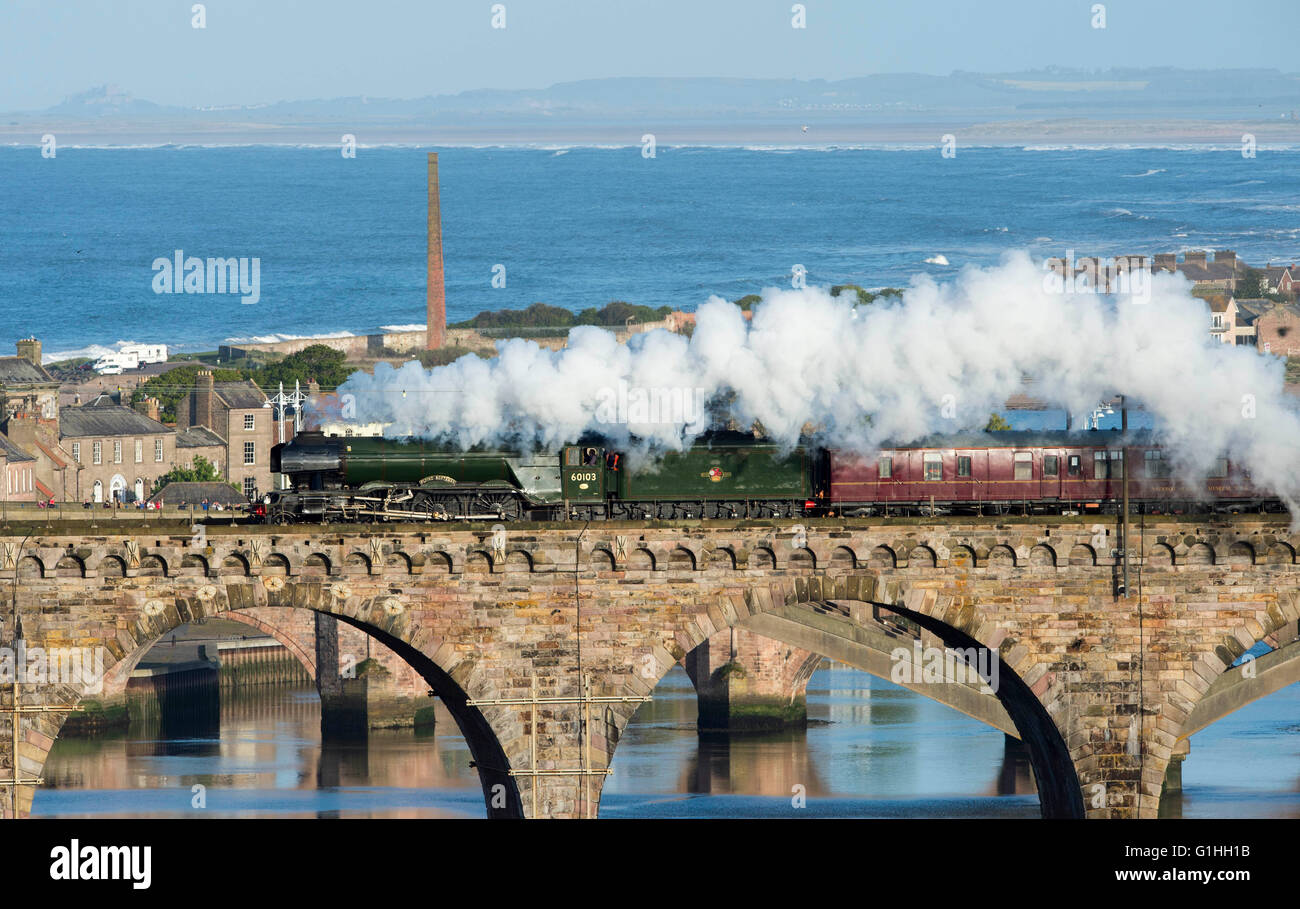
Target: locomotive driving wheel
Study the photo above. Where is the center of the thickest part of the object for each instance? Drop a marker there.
(506, 505)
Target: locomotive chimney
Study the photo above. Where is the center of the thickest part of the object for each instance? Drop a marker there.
(436, 319)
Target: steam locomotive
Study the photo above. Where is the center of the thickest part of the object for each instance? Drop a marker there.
(734, 475)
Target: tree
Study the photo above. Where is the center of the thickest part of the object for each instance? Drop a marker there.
(615, 314)
(324, 364)
(175, 385)
(996, 423)
(203, 471)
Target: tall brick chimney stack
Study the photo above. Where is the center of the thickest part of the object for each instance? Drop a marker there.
(204, 406)
(436, 294)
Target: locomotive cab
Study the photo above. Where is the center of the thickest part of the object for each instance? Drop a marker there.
(582, 473)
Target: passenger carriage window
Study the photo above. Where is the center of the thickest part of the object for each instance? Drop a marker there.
(1024, 465)
(963, 466)
(933, 467)
(1156, 464)
(1076, 466)
(1051, 466)
(886, 468)
(1101, 466)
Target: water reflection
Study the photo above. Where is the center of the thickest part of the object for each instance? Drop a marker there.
(871, 750)
(265, 758)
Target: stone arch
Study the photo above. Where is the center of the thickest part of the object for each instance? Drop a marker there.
(484, 744)
(305, 657)
(681, 559)
(316, 565)
(275, 565)
(722, 557)
(1059, 791)
(883, 557)
(1280, 553)
(961, 556)
(192, 565)
(843, 558)
(1082, 556)
(111, 566)
(921, 556)
(1162, 556)
(356, 563)
(478, 562)
(398, 562)
(803, 559)
(1214, 665)
(233, 565)
(762, 558)
(152, 566)
(1001, 556)
(69, 566)
(518, 562)
(1042, 556)
(437, 563)
(641, 559)
(1199, 554)
(602, 560)
(1241, 553)
(486, 749)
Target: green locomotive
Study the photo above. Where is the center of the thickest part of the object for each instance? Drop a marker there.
(370, 479)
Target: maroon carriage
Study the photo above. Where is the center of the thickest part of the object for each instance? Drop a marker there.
(1033, 472)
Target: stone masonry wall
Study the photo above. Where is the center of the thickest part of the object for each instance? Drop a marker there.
(619, 604)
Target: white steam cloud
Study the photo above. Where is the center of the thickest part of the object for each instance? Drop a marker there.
(939, 360)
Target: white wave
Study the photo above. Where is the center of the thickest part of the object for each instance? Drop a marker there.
(275, 338)
(414, 326)
(1150, 173)
(939, 259)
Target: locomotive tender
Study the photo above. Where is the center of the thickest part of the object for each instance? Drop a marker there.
(734, 475)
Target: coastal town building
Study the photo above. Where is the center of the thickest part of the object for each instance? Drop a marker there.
(1277, 328)
(24, 383)
(119, 452)
(1223, 317)
(240, 415)
(1280, 279)
(18, 467)
(1222, 273)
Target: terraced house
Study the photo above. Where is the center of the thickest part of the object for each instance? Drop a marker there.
(118, 452)
(239, 414)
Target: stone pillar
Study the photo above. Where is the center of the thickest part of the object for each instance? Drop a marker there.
(1174, 772)
(337, 710)
(749, 683)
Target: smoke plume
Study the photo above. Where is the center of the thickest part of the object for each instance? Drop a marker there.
(938, 360)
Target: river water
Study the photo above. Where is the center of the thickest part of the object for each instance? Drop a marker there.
(871, 749)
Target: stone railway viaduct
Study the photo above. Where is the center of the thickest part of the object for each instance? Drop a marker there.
(1102, 689)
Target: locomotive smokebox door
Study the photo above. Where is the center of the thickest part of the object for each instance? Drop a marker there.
(584, 474)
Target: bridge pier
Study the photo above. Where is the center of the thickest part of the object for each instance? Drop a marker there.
(1174, 771)
(745, 682)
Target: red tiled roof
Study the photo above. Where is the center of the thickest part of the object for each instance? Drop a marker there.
(48, 493)
(52, 456)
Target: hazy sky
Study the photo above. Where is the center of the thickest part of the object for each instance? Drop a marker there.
(255, 51)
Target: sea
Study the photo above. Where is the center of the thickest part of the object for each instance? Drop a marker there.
(341, 241)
